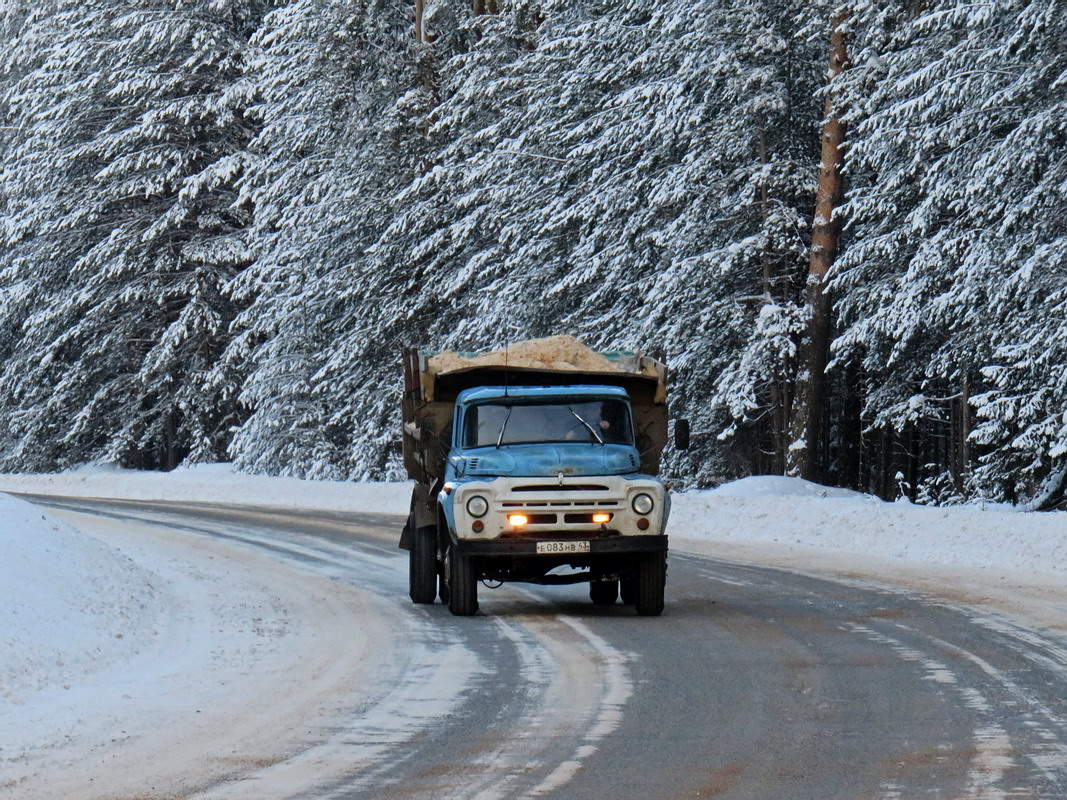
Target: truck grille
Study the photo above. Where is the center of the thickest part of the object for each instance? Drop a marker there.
(564, 505)
(559, 503)
(567, 487)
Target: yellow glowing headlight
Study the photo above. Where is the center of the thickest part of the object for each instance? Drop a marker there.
(518, 519)
(601, 518)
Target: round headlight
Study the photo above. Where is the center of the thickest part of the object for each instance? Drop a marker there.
(477, 506)
(643, 503)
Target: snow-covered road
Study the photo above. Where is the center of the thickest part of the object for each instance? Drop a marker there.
(169, 650)
(233, 660)
(275, 673)
(269, 674)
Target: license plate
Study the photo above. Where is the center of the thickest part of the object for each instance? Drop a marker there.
(563, 547)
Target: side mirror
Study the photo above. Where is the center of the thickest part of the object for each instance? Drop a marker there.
(681, 434)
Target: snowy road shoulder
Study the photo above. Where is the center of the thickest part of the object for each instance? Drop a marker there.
(135, 653)
(776, 510)
(72, 604)
(1010, 560)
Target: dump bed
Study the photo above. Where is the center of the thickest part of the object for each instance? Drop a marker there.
(432, 384)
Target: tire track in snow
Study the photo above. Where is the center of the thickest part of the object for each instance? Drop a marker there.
(616, 686)
(418, 684)
(996, 769)
(570, 688)
(574, 685)
(427, 688)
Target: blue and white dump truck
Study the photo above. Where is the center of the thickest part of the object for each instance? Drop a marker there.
(543, 474)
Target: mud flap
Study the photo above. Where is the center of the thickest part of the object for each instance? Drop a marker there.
(423, 513)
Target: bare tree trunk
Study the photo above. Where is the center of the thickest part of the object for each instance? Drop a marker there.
(965, 416)
(911, 459)
(807, 429)
(420, 26)
(851, 437)
(170, 442)
(778, 419)
(765, 203)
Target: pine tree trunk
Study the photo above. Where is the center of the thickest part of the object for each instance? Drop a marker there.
(420, 21)
(807, 431)
(965, 432)
(778, 418)
(170, 442)
(851, 435)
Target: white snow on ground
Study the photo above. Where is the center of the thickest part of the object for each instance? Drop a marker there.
(790, 511)
(104, 631)
(215, 483)
(185, 650)
(71, 604)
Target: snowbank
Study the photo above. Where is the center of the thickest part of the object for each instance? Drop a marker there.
(761, 486)
(71, 605)
(795, 512)
(215, 483)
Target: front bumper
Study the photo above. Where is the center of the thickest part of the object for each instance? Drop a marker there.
(527, 546)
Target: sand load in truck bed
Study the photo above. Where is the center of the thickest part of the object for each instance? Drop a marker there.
(553, 352)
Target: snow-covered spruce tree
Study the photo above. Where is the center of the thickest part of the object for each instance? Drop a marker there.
(1023, 416)
(29, 275)
(955, 226)
(344, 89)
(127, 229)
(634, 174)
(1021, 266)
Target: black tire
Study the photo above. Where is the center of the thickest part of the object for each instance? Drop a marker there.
(462, 585)
(651, 580)
(628, 591)
(422, 566)
(604, 593)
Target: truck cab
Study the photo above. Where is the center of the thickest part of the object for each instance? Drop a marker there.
(523, 462)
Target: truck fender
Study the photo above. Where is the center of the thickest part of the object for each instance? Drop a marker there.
(421, 513)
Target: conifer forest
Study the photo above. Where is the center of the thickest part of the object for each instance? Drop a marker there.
(843, 224)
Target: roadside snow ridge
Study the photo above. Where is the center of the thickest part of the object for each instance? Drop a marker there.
(72, 605)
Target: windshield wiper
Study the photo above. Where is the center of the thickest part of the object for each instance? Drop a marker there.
(504, 424)
(588, 427)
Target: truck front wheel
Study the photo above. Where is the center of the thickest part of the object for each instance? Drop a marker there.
(422, 573)
(651, 580)
(462, 585)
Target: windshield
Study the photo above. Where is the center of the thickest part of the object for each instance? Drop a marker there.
(581, 421)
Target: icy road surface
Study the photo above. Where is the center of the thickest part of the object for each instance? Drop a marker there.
(289, 663)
